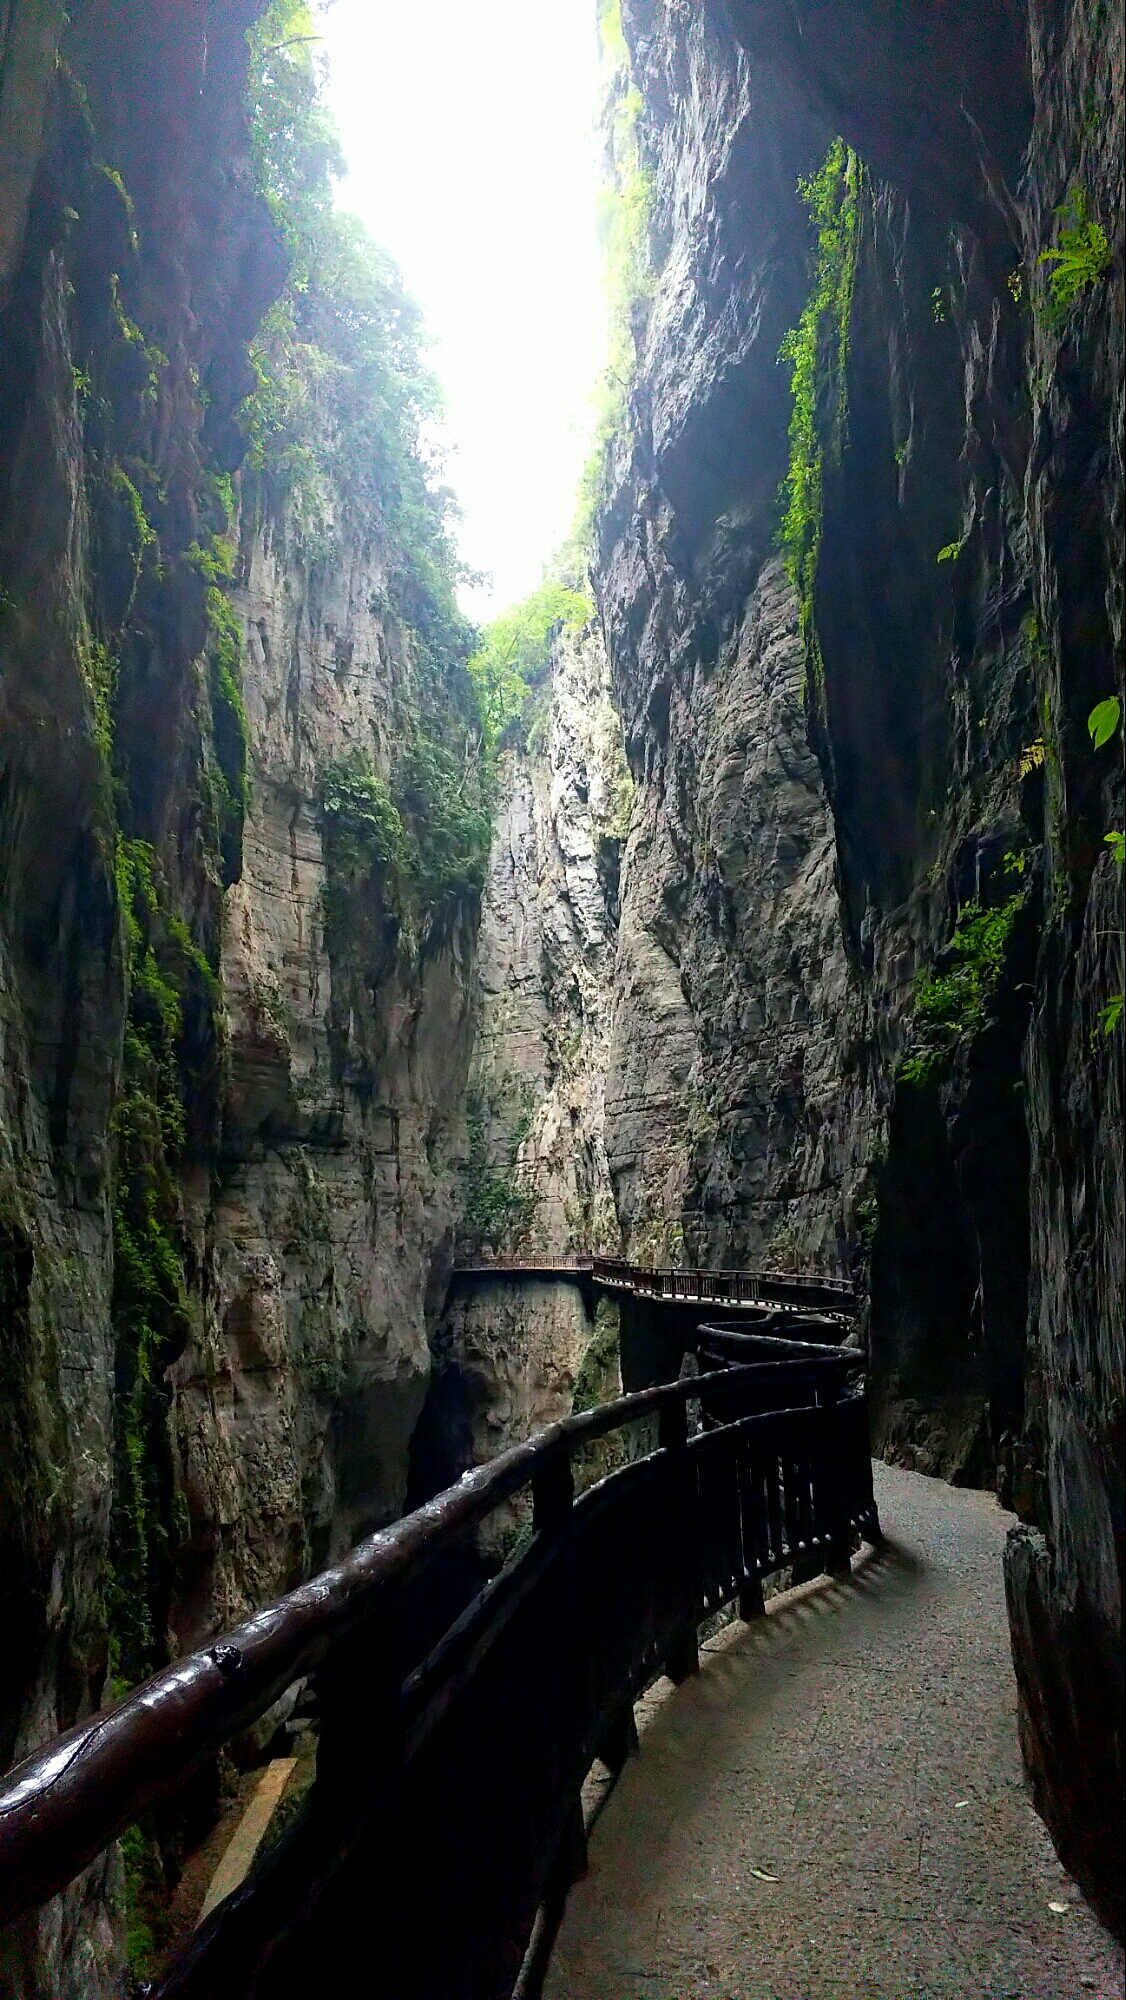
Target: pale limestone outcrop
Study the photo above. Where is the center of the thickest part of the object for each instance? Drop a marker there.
(545, 967)
(734, 1133)
(535, 1180)
(327, 1236)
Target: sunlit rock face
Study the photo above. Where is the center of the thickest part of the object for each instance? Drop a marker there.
(981, 1194)
(328, 1233)
(534, 1180)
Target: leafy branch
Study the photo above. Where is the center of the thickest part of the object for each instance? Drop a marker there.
(1081, 256)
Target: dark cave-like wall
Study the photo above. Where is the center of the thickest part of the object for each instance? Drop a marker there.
(972, 1170)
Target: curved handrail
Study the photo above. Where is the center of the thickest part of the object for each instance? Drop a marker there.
(65, 1803)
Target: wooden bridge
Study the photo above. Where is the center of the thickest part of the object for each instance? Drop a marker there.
(446, 1809)
(787, 1291)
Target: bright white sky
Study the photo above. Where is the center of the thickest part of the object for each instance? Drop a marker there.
(468, 126)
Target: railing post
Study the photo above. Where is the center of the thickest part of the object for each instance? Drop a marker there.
(672, 1436)
(619, 1742)
(553, 1497)
(752, 1603)
(553, 1494)
(839, 1559)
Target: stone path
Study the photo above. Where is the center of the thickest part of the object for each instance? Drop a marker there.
(835, 1806)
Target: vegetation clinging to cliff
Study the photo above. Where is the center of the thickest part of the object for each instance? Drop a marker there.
(149, 1293)
(817, 351)
(335, 425)
(336, 432)
(954, 1000)
(515, 654)
(624, 207)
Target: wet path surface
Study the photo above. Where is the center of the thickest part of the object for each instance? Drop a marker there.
(835, 1806)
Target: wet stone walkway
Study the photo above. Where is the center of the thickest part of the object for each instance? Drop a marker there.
(835, 1805)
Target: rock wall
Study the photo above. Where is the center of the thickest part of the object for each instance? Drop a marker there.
(741, 1105)
(534, 1180)
(327, 1233)
(127, 199)
(231, 1052)
(940, 1098)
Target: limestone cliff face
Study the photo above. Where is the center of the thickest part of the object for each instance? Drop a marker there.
(742, 1106)
(135, 260)
(535, 1181)
(734, 1126)
(327, 1232)
(941, 1084)
(234, 1026)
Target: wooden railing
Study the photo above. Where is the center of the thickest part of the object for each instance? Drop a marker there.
(453, 1748)
(792, 1290)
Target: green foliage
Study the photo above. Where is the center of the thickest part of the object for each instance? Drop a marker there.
(139, 536)
(296, 147)
(422, 842)
(151, 357)
(1081, 257)
(954, 1001)
(625, 203)
(817, 352)
(149, 1295)
(448, 813)
(1111, 1014)
(515, 654)
(362, 822)
(498, 1211)
(957, 998)
(1103, 720)
(146, 1903)
(230, 786)
(100, 668)
(1116, 841)
(948, 552)
(335, 425)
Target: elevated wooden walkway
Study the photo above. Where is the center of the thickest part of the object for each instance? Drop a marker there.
(456, 1736)
(786, 1291)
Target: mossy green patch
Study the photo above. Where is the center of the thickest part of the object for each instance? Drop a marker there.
(149, 1303)
(498, 1210)
(953, 999)
(817, 353)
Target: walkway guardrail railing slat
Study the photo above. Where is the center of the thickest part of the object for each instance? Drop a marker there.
(446, 1808)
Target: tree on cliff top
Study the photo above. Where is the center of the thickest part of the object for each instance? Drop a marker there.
(337, 424)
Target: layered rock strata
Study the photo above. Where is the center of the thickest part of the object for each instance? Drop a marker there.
(328, 1231)
(962, 616)
(535, 1184)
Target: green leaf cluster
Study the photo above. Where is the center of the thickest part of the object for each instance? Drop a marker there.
(361, 820)
(1081, 257)
(515, 654)
(954, 1000)
(817, 353)
(420, 843)
(1103, 720)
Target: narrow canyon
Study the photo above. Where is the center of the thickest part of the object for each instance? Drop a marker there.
(777, 927)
